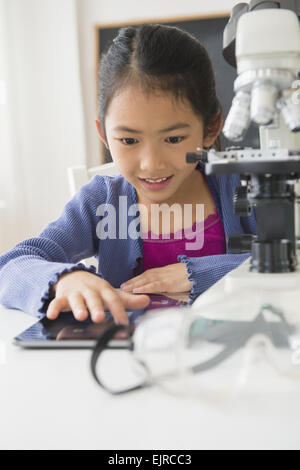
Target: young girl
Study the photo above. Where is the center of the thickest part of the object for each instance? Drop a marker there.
(157, 101)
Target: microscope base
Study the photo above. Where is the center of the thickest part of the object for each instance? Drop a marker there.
(240, 294)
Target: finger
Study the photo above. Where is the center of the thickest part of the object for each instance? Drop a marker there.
(135, 284)
(114, 303)
(95, 306)
(134, 301)
(151, 288)
(138, 280)
(78, 307)
(56, 306)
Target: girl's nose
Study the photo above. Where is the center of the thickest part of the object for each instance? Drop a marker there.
(151, 161)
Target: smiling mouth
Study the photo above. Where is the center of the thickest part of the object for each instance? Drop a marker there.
(156, 180)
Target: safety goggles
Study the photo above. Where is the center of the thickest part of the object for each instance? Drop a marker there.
(188, 354)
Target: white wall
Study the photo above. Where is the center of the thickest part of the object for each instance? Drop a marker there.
(91, 12)
(11, 200)
(47, 112)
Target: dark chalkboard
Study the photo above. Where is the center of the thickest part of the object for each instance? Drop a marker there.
(210, 32)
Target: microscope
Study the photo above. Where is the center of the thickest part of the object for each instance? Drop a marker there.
(262, 40)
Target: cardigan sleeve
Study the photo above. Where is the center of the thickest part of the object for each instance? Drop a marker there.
(207, 270)
(28, 270)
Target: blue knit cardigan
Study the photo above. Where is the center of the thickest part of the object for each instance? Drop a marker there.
(28, 271)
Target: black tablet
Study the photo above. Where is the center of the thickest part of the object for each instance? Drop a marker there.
(67, 332)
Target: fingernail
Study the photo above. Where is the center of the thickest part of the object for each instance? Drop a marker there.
(81, 312)
(98, 319)
(99, 313)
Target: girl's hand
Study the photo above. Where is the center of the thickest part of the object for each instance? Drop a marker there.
(172, 278)
(84, 293)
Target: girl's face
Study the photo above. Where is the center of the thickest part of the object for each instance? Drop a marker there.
(148, 137)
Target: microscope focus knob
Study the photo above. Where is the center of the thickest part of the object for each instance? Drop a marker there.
(240, 243)
(195, 157)
(242, 206)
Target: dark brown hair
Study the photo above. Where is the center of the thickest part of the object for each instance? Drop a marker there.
(160, 58)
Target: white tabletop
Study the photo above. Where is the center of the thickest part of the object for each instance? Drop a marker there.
(49, 400)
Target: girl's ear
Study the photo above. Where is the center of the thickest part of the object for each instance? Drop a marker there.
(100, 133)
(212, 131)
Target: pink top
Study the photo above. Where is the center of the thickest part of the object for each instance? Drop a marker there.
(205, 238)
(160, 252)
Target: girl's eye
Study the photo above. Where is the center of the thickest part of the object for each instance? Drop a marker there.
(175, 140)
(170, 140)
(128, 141)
